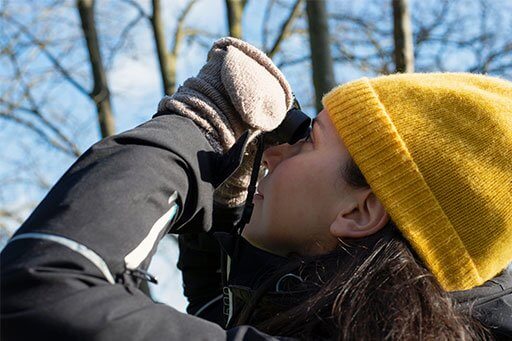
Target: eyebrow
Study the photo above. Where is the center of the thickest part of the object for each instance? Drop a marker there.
(316, 120)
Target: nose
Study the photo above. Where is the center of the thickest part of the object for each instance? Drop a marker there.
(276, 154)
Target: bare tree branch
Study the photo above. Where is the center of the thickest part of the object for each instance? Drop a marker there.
(34, 109)
(293, 62)
(285, 28)
(168, 60)
(359, 21)
(123, 37)
(266, 20)
(179, 32)
(14, 215)
(425, 31)
(138, 7)
(65, 73)
(38, 131)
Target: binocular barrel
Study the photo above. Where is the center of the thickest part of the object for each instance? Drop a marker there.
(295, 126)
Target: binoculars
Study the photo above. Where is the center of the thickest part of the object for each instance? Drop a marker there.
(295, 126)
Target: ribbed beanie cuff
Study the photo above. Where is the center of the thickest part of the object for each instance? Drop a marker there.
(377, 148)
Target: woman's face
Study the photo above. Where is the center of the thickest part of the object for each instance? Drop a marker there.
(301, 194)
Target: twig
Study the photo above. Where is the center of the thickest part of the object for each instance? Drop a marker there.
(285, 28)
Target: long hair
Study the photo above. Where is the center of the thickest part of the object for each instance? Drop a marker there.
(369, 289)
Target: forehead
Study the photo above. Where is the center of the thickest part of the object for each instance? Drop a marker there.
(330, 133)
(325, 124)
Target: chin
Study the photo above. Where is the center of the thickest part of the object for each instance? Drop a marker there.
(253, 228)
(247, 232)
(252, 233)
(251, 238)
(262, 241)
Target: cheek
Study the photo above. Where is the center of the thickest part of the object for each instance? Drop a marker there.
(277, 221)
(288, 187)
(287, 208)
(304, 196)
(297, 207)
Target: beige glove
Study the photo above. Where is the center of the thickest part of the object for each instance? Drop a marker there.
(238, 89)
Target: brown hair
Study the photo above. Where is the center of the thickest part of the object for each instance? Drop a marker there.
(372, 288)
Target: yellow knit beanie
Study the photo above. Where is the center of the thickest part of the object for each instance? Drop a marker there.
(437, 151)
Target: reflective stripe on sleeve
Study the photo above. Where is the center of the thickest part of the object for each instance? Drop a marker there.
(92, 256)
(141, 251)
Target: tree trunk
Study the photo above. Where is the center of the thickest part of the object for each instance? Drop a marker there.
(167, 64)
(235, 9)
(321, 59)
(404, 51)
(100, 93)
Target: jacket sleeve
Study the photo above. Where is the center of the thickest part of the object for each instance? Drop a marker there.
(127, 191)
(103, 219)
(200, 264)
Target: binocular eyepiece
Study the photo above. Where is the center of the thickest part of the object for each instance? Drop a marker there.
(295, 126)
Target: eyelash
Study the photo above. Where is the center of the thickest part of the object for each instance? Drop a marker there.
(308, 137)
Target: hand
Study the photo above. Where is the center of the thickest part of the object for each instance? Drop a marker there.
(238, 89)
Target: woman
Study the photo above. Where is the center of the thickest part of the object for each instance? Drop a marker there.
(72, 269)
(432, 148)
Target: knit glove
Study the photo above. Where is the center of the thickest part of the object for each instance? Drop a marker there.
(238, 89)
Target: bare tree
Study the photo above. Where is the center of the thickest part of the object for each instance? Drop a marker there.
(44, 74)
(100, 93)
(168, 59)
(235, 10)
(167, 64)
(18, 102)
(321, 59)
(448, 35)
(402, 34)
(286, 28)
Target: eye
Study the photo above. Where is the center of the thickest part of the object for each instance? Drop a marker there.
(308, 137)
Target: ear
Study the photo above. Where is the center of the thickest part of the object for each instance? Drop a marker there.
(361, 218)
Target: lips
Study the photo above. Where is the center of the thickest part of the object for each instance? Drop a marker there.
(258, 194)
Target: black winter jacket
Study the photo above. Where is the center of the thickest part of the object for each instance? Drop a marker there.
(73, 268)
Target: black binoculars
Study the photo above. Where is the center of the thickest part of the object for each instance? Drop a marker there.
(295, 126)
